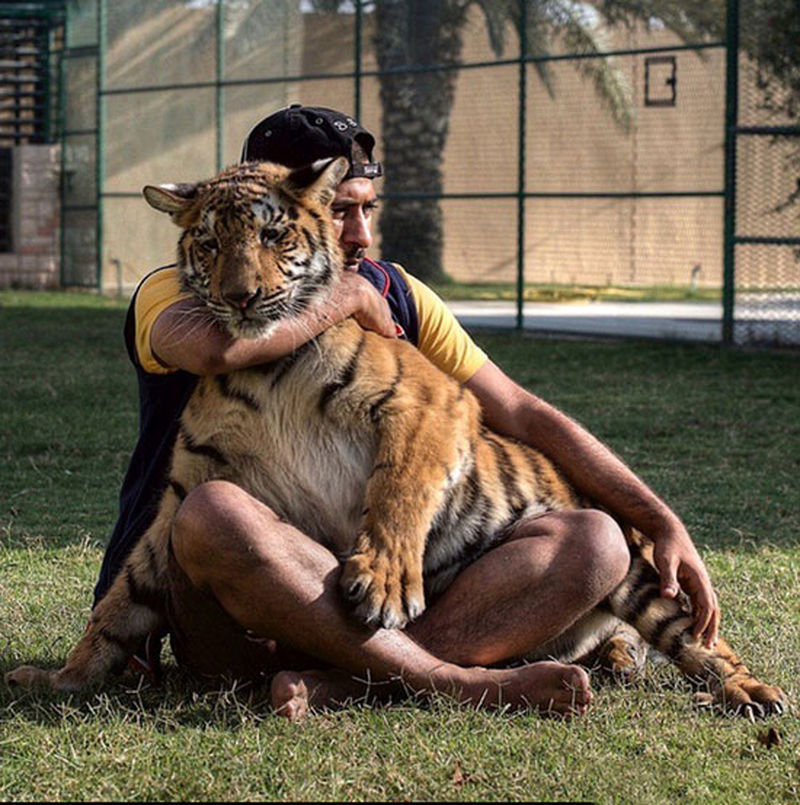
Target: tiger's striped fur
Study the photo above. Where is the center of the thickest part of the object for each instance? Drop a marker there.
(358, 441)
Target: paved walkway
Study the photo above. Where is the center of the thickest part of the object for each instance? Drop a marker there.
(691, 321)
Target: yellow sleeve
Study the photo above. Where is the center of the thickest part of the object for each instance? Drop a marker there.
(156, 292)
(442, 339)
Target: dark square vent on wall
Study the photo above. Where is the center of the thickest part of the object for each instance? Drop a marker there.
(660, 81)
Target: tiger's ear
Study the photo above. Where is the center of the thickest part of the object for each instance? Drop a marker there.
(320, 179)
(170, 198)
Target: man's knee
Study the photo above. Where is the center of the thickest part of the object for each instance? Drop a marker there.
(590, 546)
(215, 524)
(599, 540)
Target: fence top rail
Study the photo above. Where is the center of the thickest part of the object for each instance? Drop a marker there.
(765, 240)
(408, 70)
(565, 194)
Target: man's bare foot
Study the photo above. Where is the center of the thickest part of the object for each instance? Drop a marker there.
(294, 694)
(550, 688)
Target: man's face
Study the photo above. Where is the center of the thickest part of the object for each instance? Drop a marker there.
(352, 210)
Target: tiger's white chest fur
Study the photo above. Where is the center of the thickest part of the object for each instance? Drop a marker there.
(309, 468)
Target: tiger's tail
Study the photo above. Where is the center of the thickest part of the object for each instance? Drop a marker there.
(130, 610)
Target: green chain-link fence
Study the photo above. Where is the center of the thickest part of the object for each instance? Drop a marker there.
(764, 159)
(534, 150)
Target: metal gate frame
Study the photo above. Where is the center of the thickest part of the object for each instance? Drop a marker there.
(47, 17)
(733, 131)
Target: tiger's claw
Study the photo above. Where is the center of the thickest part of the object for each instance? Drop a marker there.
(384, 592)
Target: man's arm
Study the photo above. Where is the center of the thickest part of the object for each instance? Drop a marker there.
(186, 337)
(600, 475)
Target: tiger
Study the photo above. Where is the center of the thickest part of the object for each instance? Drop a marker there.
(360, 442)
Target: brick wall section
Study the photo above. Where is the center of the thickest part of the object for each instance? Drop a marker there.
(34, 261)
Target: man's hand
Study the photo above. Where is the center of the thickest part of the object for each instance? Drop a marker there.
(681, 568)
(363, 301)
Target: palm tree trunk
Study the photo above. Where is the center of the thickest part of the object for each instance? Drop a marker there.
(416, 110)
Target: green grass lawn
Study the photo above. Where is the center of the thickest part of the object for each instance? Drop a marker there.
(715, 432)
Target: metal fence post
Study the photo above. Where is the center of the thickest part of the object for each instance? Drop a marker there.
(731, 121)
(48, 104)
(220, 89)
(357, 65)
(523, 52)
(101, 127)
(62, 128)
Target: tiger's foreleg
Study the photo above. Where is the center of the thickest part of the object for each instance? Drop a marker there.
(130, 610)
(413, 469)
(667, 626)
(383, 574)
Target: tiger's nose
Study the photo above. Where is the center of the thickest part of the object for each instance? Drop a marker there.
(242, 298)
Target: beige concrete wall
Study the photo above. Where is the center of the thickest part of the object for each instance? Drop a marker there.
(571, 145)
(170, 136)
(34, 261)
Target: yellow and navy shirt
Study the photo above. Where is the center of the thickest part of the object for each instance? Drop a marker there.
(420, 315)
(441, 339)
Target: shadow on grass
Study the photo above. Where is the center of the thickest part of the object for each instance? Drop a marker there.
(179, 700)
(183, 702)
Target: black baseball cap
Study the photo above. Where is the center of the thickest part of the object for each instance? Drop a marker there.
(299, 135)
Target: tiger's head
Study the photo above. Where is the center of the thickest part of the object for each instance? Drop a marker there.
(258, 244)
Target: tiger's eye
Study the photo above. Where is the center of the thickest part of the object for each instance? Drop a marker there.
(270, 235)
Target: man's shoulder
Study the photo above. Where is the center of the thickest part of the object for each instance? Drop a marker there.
(164, 277)
(441, 338)
(158, 290)
(392, 283)
(395, 273)
(380, 272)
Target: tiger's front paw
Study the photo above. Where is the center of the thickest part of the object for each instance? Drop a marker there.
(385, 591)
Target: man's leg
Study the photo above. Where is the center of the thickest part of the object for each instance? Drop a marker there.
(279, 583)
(553, 569)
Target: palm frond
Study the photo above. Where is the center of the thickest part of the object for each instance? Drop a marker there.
(538, 40)
(576, 25)
(497, 14)
(692, 20)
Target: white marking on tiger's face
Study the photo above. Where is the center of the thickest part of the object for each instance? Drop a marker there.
(258, 245)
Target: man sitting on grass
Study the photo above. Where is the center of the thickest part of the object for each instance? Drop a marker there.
(251, 596)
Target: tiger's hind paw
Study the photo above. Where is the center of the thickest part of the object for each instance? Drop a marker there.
(384, 593)
(745, 697)
(623, 656)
